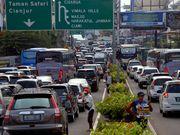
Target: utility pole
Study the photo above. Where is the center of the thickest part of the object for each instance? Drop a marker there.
(114, 34)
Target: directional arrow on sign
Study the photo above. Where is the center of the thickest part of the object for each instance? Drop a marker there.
(29, 23)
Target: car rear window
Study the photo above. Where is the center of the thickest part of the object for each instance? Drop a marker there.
(85, 74)
(89, 67)
(3, 79)
(27, 84)
(32, 103)
(75, 89)
(150, 71)
(59, 89)
(134, 63)
(160, 82)
(173, 88)
(13, 79)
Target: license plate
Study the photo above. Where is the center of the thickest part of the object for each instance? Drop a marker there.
(177, 99)
(32, 117)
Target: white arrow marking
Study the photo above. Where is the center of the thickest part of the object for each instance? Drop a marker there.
(29, 23)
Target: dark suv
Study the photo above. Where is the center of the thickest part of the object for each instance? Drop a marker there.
(35, 111)
(68, 99)
(91, 76)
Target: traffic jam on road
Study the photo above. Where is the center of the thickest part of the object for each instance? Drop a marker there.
(51, 94)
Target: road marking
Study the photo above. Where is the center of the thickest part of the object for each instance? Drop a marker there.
(99, 115)
(149, 124)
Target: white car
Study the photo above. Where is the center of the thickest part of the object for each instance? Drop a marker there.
(45, 79)
(133, 70)
(137, 73)
(29, 83)
(142, 78)
(169, 100)
(81, 81)
(154, 89)
(131, 63)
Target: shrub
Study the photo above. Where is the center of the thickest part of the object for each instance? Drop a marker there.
(118, 87)
(113, 73)
(122, 128)
(114, 106)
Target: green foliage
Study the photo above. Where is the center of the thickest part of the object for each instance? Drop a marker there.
(118, 87)
(122, 128)
(115, 105)
(12, 43)
(114, 73)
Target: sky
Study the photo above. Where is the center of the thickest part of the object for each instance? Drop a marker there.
(124, 2)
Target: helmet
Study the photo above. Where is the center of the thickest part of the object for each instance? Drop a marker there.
(140, 94)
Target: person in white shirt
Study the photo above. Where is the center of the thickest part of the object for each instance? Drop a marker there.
(90, 107)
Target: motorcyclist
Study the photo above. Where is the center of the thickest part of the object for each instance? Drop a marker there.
(136, 106)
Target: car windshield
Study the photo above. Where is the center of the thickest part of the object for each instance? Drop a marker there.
(27, 84)
(32, 103)
(173, 88)
(150, 71)
(160, 82)
(85, 74)
(89, 67)
(134, 63)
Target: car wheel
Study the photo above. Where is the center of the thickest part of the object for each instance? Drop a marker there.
(165, 114)
(71, 118)
(77, 113)
(140, 86)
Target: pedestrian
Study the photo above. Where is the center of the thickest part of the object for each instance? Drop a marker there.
(108, 81)
(89, 104)
(136, 107)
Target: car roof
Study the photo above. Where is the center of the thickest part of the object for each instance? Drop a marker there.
(137, 66)
(33, 91)
(147, 67)
(134, 60)
(27, 80)
(90, 65)
(173, 82)
(87, 69)
(56, 85)
(162, 77)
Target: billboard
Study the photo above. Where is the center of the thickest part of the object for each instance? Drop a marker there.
(142, 20)
(173, 19)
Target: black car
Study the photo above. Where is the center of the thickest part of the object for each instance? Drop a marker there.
(35, 112)
(91, 76)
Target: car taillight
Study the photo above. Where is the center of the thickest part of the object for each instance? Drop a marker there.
(7, 115)
(166, 70)
(57, 110)
(165, 95)
(60, 75)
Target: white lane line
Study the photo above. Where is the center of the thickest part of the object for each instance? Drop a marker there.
(149, 124)
(99, 115)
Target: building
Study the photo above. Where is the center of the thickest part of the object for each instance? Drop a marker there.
(149, 5)
(174, 5)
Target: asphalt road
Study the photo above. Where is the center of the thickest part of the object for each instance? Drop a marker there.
(162, 126)
(80, 125)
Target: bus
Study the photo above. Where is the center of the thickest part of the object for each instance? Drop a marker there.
(28, 56)
(127, 51)
(166, 60)
(59, 63)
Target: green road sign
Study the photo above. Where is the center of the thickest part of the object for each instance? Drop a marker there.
(84, 14)
(28, 14)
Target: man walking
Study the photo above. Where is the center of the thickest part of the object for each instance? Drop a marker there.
(90, 107)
